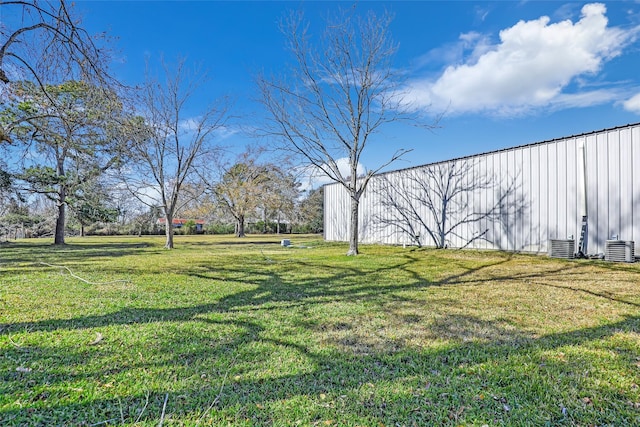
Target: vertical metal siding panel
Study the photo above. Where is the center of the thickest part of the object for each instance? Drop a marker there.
(518, 199)
(481, 206)
(478, 226)
(626, 185)
(464, 200)
(561, 188)
(602, 204)
(494, 165)
(487, 225)
(535, 196)
(328, 214)
(591, 144)
(511, 200)
(362, 219)
(432, 220)
(571, 190)
(478, 205)
(410, 180)
(473, 202)
(471, 209)
(365, 216)
(452, 240)
(375, 228)
(367, 229)
(325, 213)
(552, 185)
(500, 225)
(342, 215)
(382, 231)
(505, 224)
(544, 196)
(487, 200)
(525, 182)
(613, 169)
(333, 209)
(635, 180)
(467, 197)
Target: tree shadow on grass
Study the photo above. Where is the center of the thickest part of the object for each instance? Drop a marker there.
(433, 384)
(29, 252)
(375, 379)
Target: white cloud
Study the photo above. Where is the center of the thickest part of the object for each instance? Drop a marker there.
(193, 124)
(529, 68)
(190, 125)
(312, 177)
(633, 104)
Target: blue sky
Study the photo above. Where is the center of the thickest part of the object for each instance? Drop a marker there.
(505, 73)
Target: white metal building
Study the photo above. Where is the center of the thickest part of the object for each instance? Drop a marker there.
(531, 194)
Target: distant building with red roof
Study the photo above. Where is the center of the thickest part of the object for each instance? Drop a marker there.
(179, 222)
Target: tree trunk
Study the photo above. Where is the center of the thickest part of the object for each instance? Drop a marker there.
(168, 231)
(59, 234)
(278, 224)
(353, 229)
(264, 221)
(240, 226)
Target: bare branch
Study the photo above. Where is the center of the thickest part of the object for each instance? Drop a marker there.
(170, 143)
(340, 92)
(438, 200)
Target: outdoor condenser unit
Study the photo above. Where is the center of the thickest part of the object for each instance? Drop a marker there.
(559, 248)
(619, 251)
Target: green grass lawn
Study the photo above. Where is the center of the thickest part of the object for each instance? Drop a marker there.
(244, 332)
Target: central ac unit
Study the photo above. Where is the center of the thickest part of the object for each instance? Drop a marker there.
(619, 251)
(562, 248)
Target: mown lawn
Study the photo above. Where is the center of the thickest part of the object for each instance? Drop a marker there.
(223, 331)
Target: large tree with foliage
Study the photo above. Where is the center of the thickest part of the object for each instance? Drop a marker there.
(249, 187)
(172, 141)
(240, 190)
(338, 94)
(71, 133)
(91, 203)
(278, 198)
(45, 43)
(51, 69)
(310, 211)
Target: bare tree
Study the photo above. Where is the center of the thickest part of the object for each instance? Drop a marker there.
(339, 94)
(439, 200)
(171, 142)
(46, 44)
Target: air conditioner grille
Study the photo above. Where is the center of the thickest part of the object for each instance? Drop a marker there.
(562, 248)
(619, 251)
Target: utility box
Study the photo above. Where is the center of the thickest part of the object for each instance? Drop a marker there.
(619, 251)
(285, 242)
(562, 248)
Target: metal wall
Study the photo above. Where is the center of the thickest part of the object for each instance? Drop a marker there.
(538, 190)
